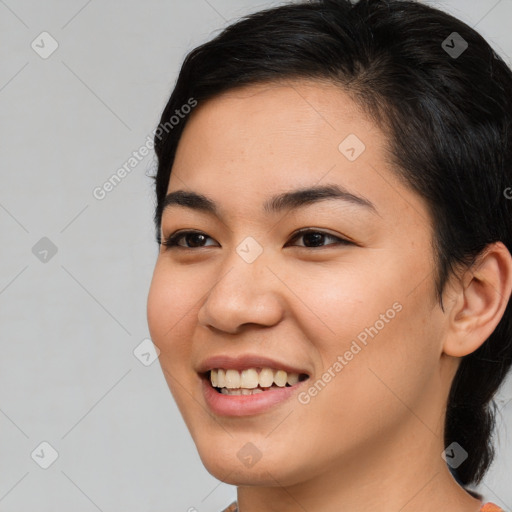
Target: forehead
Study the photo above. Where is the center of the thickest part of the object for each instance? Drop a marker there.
(250, 143)
(277, 122)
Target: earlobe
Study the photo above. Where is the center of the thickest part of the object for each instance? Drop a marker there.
(481, 298)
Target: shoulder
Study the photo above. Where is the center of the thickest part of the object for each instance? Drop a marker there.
(234, 508)
(491, 507)
(487, 507)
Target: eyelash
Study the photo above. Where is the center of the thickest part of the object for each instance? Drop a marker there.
(172, 240)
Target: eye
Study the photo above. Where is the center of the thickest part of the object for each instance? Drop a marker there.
(314, 238)
(195, 239)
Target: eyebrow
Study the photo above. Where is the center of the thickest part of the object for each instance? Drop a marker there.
(292, 200)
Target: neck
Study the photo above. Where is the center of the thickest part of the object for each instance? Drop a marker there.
(390, 476)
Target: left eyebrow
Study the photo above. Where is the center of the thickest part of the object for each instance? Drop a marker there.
(291, 200)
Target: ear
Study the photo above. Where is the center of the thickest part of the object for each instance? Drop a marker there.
(480, 298)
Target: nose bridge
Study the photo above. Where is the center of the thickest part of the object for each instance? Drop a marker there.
(244, 291)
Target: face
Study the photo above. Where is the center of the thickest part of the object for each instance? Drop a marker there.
(338, 326)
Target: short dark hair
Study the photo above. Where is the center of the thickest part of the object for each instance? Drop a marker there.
(449, 121)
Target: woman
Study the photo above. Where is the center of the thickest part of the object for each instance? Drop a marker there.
(331, 299)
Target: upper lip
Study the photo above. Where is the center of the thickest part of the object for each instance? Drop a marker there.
(246, 361)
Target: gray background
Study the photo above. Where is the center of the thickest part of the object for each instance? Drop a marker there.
(69, 324)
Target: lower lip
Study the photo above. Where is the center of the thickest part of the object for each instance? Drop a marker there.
(244, 405)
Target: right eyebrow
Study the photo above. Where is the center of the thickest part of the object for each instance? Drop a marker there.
(291, 200)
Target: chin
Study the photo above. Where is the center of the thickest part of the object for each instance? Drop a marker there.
(234, 473)
(247, 466)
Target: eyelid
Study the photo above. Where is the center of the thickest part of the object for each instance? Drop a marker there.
(343, 240)
(170, 241)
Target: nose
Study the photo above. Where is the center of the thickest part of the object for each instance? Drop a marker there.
(243, 294)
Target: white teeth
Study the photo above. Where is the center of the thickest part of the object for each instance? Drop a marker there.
(280, 378)
(214, 379)
(250, 379)
(266, 378)
(240, 391)
(221, 378)
(292, 379)
(232, 379)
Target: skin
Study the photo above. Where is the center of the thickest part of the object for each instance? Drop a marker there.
(371, 439)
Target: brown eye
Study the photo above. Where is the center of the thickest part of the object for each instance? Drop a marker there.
(193, 239)
(313, 238)
(196, 239)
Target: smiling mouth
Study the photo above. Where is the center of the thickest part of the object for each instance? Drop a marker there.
(251, 380)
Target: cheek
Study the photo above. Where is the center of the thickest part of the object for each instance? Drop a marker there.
(343, 303)
(389, 363)
(170, 308)
(378, 321)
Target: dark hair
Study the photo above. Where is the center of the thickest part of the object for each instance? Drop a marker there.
(448, 115)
